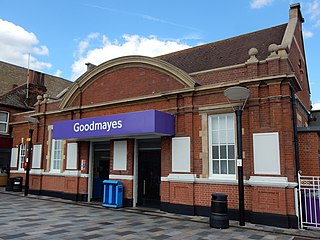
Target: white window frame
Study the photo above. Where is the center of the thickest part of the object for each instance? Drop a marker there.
(56, 155)
(210, 138)
(22, 155)
(5, 123)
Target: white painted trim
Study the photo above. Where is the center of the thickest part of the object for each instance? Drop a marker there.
(36, 171)
(67, 173)
(191, 178)
(123, 177)
(265, 181)
(72, 173)
(18, 171)
(175, 177)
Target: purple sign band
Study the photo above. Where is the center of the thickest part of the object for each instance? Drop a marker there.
(145, 122)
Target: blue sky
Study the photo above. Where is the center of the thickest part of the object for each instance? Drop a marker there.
(62, 35)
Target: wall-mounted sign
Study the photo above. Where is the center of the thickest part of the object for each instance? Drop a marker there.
(145, 122)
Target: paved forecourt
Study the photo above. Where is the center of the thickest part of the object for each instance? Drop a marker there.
(32, 218)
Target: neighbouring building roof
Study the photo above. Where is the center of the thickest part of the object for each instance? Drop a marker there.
(226, 52)
(12, 76)
(16, 98)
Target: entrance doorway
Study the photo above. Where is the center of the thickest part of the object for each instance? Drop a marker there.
(101, 168)
(149, 173)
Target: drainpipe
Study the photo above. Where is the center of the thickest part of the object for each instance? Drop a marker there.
(296, 148)
(295, 131)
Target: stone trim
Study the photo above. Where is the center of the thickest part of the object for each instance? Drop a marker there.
(90, 76)
(266, 181)
(122, 177)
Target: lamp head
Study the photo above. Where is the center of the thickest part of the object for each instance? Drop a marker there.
(237, 93)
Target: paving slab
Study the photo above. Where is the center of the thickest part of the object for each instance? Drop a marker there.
(40, 217)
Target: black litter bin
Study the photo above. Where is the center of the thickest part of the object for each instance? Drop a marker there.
(9, 186)
(17, 184)
(219, 211)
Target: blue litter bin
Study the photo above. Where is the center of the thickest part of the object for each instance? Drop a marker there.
(112, 193)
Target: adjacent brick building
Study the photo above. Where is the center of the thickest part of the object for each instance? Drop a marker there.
(164, 128)
(18, 93)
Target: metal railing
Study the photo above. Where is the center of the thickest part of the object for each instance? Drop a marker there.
(309, 195)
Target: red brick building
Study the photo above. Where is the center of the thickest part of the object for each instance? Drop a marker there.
(178, 172)
(18, 95)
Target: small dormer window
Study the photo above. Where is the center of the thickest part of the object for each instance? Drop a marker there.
(4, 121)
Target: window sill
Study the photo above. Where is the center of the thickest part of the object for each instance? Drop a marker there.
(18, 171)
(217, 181)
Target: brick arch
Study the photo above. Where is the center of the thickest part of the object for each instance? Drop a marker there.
(125, 62)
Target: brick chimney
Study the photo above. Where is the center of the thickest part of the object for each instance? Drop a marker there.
(90, 66)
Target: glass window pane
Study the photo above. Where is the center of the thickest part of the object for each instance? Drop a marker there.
(222, 122)
(223, 152)
(223, 137)
(215, 167)
(3, 117)
(215, 137)
(224, 167)
(231, 152)
(3, 127)
(215, 152)
(214, 123)
(230, 122)
(232, 166)
(230, 136)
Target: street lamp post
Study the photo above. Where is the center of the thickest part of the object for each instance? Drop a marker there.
(26, 186)
(31, 120)
(239, 95)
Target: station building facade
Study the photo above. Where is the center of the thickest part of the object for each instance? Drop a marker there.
(164, 128)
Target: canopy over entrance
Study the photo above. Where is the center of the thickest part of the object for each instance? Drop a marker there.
(150, 122)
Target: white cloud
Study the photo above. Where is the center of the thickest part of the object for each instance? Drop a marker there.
(16, 43)
(316, 106)
(58, 73)
(307, 34)
(260, 3)
(128, 45)
(313, 9)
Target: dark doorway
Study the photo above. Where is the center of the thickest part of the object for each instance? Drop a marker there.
(101, 168)
(149, 174)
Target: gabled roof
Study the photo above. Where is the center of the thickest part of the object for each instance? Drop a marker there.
(226, 52)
